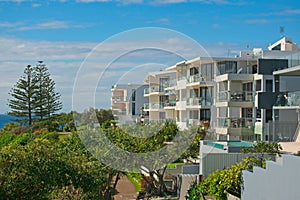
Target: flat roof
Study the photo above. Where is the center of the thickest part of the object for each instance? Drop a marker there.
(292, 71)
(290, 147)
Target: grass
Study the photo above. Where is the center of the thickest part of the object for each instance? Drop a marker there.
(173, 165)
(136, 180)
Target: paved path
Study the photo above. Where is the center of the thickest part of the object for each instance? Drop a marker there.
(126, 190)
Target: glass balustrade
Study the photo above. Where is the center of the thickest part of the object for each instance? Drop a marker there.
(235, 122)
(235, 96)
(199, 101)
(288, 99)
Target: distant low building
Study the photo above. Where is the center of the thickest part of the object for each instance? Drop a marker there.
(127, 102)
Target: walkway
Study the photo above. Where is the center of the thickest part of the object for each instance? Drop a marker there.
(126, 190)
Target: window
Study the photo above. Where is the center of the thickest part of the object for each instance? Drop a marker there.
(162, 99)
(162, 115)
(194, 93)
(258, 85)
(204, 114)
(163, 81)
(194, 114)
(207, 71)
(133, 94)
(269, 115)
(247, 86)
(258, 113)
(247, 112)
(227, 67)
(194, 71)
(133, 109)
(269, 85)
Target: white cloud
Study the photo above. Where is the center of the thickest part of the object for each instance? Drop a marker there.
(65, 58)
(9, 24)
(36, 5)
(46, 25)
(56, 24)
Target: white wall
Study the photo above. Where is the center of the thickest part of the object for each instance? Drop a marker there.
(278, 181)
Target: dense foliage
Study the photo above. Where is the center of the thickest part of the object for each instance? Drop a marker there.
(43, 166)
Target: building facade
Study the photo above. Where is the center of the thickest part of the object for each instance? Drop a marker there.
(127, 102)
(245, 97)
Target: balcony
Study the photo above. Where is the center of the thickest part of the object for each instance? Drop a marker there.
(199, 80)
(119, 112)
(154, 106)
(118, 99)
(235, 123)
(170, 83)
(198, 122)
(170, 104)
(202, 102)
(288, 99)
(235, 96)
(153, 90)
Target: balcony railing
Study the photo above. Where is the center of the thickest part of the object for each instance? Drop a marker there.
(198, 78)
(170, 103)
(198, 122)
(204, 101)
(235, 122)
(170, 83)
(146, 91)
(235, 96)
(153, 89)
(118, 99)
(155, 106)
(119, 112)
(288, 99)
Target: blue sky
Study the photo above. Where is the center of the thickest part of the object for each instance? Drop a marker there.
(63, 33)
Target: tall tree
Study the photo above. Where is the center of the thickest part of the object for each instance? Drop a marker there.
(41, 98)
(23, 95)
(47, 100)
(53, 103)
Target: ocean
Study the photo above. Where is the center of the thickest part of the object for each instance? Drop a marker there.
(4, 119)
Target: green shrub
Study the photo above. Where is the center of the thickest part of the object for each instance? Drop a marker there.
(69, 193)
(51, 136)
(9, 127)
(40, 131)
(23, 139)
(6, 139)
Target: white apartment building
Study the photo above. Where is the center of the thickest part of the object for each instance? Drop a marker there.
(159, 102)
(235, 94)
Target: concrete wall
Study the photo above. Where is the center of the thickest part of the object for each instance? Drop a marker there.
(278, 181)
(184, 183)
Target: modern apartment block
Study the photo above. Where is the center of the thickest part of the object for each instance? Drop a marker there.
(247, 97)
(159, 100)
(127, 102)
